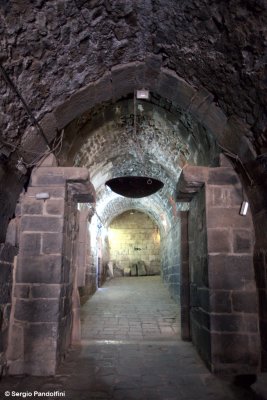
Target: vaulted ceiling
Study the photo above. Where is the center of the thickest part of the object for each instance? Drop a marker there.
(70, 68)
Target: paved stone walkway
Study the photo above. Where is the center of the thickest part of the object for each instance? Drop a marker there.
(131, 351)
(131, 308)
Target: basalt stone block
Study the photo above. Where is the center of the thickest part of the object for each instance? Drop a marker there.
(82, 100)
(236, 348)
(32, 207)
(204, 299)
(215, 120)
(174, 88)
(54, 192)
(220, 301)
(82, 192)
(46, 291)
(55, 207)
(226, 217)
(123, 79)
(58, 176)
(234, 323)
(201, 317)
(230, 272)
(194, 299)
(223, 196)
(40, 347)
(245, 302)
(219, 241)
(222, 176)
(39, 269)
(39, 331)
(243, 241)
(202, 340)
(30, 244)
(22, 291)
(17, 339)
(37, 310)
(41, 224)
(52, 243)
(103, 89)
(48, 179)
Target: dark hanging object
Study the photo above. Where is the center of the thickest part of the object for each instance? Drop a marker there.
(134, 186)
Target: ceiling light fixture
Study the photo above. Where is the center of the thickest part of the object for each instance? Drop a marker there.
(136, 186)
(244, 208)
(142, 94)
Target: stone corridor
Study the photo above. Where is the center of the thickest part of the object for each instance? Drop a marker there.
(131, 350)
(131, 309)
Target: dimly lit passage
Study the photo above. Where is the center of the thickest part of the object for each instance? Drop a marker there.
(133, 198)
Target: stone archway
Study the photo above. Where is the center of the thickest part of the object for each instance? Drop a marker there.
(123, 80)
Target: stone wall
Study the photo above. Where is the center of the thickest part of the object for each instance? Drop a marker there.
(258, 200)
(199, 281)
(185, 278)
(44, 296)
(133, 238)
(171, 258)
(224, 298)
(88, 283)
(11, 184)
(7, 253)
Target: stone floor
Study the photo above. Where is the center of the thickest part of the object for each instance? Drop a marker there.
(131, 308)
(131, 350)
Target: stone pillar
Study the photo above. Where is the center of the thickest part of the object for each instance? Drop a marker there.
(44, 275)
(224, 306)
(82, 245)
(184, 278)
(80, 257)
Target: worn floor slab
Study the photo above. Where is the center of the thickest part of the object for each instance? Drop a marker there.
(131, 308)
(147, 362)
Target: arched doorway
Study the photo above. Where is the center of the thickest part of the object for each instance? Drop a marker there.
(177, 127)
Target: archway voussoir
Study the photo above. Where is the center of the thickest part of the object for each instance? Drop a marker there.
(124, 79)
(152, 70)
(78, 103)
(103, 88)
(174, 88)
(214, 120)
